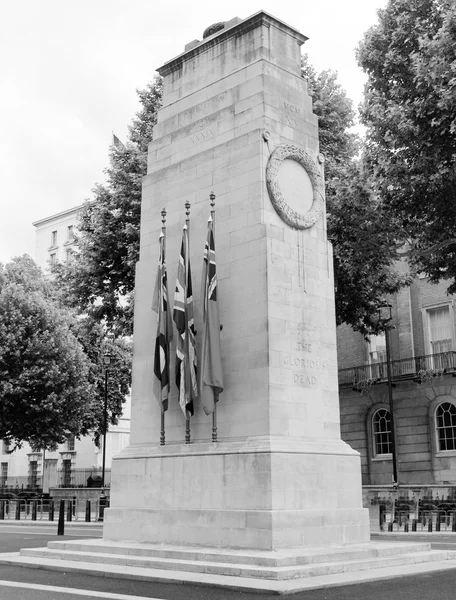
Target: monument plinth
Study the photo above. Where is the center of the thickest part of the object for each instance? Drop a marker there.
(237, 120)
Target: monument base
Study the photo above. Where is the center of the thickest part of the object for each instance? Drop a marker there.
(279, 571)
(259, 493)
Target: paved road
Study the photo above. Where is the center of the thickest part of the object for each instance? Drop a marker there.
(18, 583)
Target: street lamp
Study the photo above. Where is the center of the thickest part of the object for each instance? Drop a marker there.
(107, 358)
(385, 317)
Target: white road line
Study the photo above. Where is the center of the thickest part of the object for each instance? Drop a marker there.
(74, 591)
(48, 533)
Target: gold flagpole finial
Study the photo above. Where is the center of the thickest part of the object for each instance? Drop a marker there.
(163, 214)
(187, 209)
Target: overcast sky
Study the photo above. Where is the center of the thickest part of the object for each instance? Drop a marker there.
(69, 71)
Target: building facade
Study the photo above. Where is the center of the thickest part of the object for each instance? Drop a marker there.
(75, 461)
(423, 371)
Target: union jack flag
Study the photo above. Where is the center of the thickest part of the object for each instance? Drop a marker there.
(211, 376)
(164, 330)
(186, 362)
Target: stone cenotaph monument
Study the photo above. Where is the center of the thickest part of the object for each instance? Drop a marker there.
(274, 503)
(237, 120)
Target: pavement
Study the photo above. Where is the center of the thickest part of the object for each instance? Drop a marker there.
(438, 581)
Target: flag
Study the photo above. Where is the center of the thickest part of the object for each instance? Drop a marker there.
(164, 330)
(116, 141)
(211, 375)
(186, 363)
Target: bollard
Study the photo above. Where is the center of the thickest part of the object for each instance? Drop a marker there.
(69, 510)
(61, 523)
(430, 524)
(406, 527)
(390, 526)
(33, 510)
(101, 507)
(381, 516)
(18, 510)
(414, 522)
(453, 525)
(87, 516)
(437, 523)
(51, 509)
(2, 510)
(74, 506)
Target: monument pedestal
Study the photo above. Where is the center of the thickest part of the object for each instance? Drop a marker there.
(261, 493)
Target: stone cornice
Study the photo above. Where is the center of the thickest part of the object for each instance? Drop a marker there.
(259, 18)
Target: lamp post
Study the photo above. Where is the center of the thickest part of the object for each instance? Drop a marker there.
(385, 317)
(106, 362)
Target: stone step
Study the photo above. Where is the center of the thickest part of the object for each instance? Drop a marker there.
(279, 558)
(239, 569)
(240, 584)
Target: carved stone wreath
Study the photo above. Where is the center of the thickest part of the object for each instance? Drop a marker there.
(289, 215)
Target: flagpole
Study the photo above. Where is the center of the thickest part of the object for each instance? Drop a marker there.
(187, 354)
(162, 421)
(214, 414)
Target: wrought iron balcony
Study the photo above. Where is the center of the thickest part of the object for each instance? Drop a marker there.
(418, 368)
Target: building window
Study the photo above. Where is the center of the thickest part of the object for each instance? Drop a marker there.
(439, 329)
(445, 423)
(381, 428)
(53, 258)
(70, 443)
(66, 473)
(4, 474)
(377, 356)
(69, 254)
(6, 447)
(33, 474)
(54, 238)
(70, 233)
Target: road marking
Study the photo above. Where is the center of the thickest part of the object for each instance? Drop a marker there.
(95, 534)
(74, 591)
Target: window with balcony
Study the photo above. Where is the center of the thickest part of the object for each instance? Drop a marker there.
(376, 355)
(439, 334)
(66, 473)
(4, 474)
(381, 432)
(445, 424)
(33, 474)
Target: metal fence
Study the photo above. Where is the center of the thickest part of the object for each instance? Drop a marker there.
(417, 514)
(20, 484)
(82, 478)
(48, 509)
(417, 367)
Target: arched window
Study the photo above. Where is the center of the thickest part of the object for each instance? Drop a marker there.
(445, 424)
(381, 428)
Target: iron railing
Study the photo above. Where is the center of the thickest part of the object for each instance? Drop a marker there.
(419, 368)
(82, 478)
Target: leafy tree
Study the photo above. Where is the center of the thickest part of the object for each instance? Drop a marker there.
(409, 111)
(363, 235)
(100, 281)
(49, 380)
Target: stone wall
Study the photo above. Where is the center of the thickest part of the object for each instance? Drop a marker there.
(419, 461)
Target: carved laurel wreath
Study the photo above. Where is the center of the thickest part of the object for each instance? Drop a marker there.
(291, 217)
